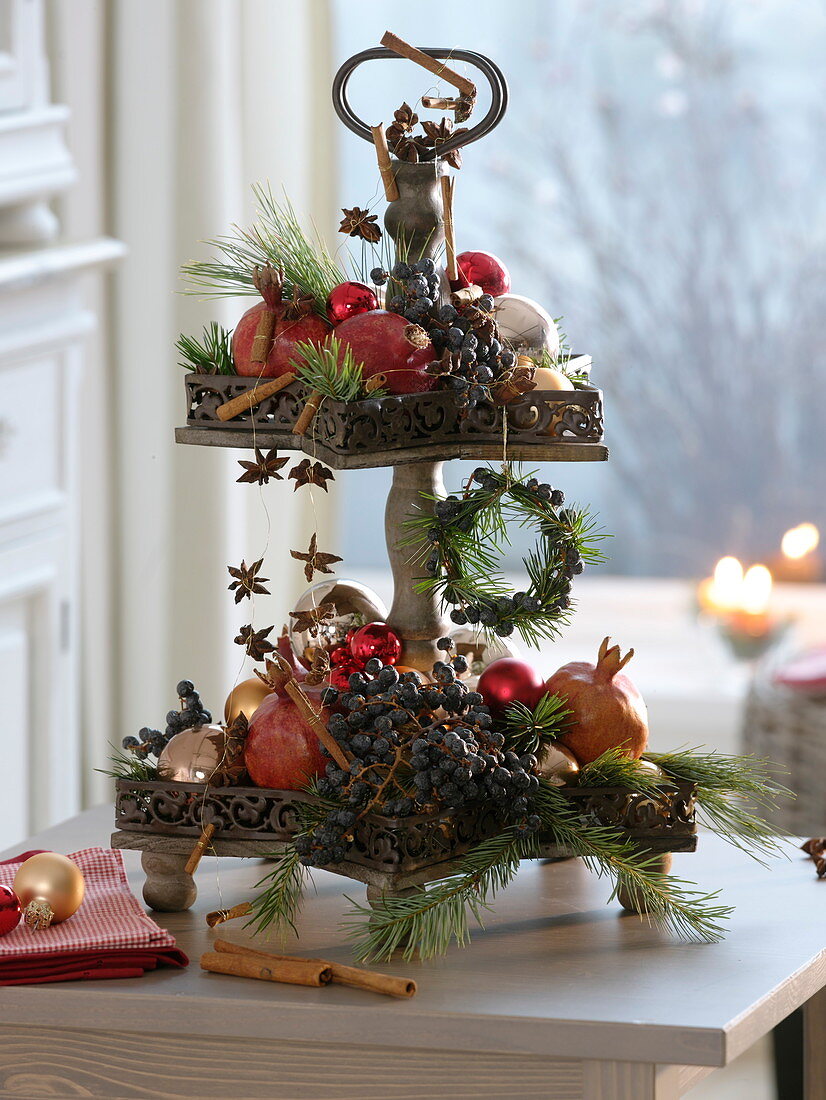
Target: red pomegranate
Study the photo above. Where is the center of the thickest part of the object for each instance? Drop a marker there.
(281, 749)
(388, 344)
(289, 331)
(606, 709)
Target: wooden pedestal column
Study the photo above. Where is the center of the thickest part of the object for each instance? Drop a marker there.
(416, 617)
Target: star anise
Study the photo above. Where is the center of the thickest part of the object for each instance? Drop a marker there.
(255, 642)
(440, 132)
(360, 223)
(311, 473)
(313, 619)
(404, 121)
(247, 580)
(264, 468)
(299, 305)
(231, 771)
(316, 562)
(320, 668)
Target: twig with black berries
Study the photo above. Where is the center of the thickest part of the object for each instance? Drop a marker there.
(459, 541)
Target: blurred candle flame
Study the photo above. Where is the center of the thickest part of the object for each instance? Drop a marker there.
(723, 590)
(800, 541)
(756, 590)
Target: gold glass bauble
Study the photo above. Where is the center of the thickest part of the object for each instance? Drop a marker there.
(653, 769)
(423, 676)
(50, 888)
(557, 764)
(192, 755)
(247, 697)
(471, 644)
(546, 378)
(355, 605)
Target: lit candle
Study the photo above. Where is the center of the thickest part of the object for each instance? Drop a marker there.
(721, 592)
(798, 560)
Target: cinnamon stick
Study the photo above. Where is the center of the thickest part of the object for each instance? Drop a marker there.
(391, 188)
(308, 412)
(439, 103)
(293, 689)
(199, 849)
(264, 332)
(252, 398)
(404, 49)
(269, 969)
(351, 976)
(219, 916)
(447, 218)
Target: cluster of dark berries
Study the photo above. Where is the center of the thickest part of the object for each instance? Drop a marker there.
(465, 336)
(191, 713)
(415, 748)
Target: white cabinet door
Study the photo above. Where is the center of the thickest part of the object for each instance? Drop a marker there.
(21, 62)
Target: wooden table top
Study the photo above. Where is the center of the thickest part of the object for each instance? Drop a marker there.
(557, 972)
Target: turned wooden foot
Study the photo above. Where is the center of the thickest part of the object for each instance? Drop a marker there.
(168, 888)
(625, 896)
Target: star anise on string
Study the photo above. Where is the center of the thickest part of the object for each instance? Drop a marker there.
(264, 468)
(247, 581)
(816, 848)
(360, 223)
(255, 642)
(439, 132)
(299, 305)
(320, 668)
(311, 473)
(316, 561)
(313, 619)
(403, 122)
(231, 771)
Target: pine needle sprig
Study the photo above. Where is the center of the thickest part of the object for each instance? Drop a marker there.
(275, 238)
(614, 769)
(276, 907)
(212, 354)
(526, 730)
(428, 922)
(126, 765)
(662, 899)
(732, 793)
(332, 371)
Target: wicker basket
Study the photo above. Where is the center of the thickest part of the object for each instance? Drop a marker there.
(789, 727)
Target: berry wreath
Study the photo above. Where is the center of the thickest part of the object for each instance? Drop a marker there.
(460, 542)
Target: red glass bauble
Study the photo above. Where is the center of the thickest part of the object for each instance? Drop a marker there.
(10, 910)
(376, 640)
(485, 270)
(341, 655)
(350, 299)
(340, 676)
(510, 681)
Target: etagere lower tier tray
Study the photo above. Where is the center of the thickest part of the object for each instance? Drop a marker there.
(544, 425)
(391, 855)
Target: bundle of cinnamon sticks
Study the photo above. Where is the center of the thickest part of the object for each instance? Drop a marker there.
(248, 962)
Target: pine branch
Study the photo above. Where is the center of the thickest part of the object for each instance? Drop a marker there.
(210, 355)
(331, 371)
(276, 908)
(663, 899)
(126, 765)
(614, 769)
(428, 922)
(526, 730)
(732, 792)
(275, 238)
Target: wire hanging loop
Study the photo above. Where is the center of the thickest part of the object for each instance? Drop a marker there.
(492, 73)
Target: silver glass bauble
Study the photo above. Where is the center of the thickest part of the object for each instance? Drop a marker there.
(525, 325)
(471, 644)
(355, 605)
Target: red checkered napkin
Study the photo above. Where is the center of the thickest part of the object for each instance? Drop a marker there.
(110, 917)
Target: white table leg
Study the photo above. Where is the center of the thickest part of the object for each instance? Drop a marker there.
(814, 1047)
(629, 1081)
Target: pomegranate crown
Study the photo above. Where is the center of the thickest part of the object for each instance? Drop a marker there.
(609, 659)
(268, 281)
